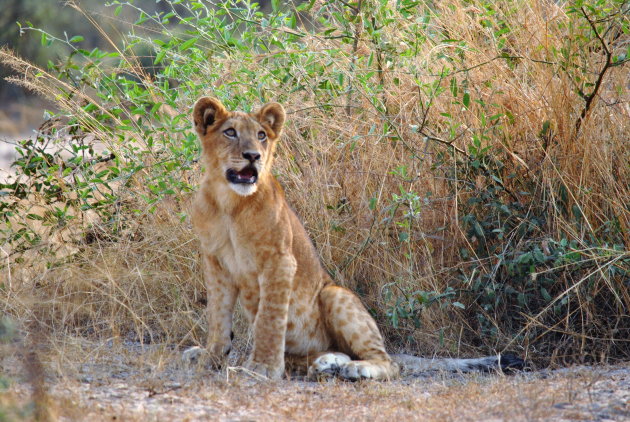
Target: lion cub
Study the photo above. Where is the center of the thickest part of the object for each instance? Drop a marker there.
(254, 248)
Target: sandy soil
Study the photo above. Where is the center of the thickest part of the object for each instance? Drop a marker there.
(122, 390)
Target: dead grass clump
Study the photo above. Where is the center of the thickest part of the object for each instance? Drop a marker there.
(140, 286)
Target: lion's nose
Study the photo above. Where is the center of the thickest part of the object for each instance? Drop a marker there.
(252, 156)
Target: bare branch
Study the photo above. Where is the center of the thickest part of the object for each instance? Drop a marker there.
(591, 97)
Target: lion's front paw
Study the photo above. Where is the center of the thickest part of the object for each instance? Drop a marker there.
(218, 351)
(193, 355)
(214, 357)
(271, 371)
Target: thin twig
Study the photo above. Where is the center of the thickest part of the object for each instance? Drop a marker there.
(591, 97)
(355, 46)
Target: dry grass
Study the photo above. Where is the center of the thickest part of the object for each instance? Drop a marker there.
(95, 282)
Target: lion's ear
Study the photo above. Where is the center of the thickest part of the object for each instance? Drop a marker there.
(273, 115)
(207, 111)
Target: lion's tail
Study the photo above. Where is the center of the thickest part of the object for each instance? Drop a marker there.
(412, 365)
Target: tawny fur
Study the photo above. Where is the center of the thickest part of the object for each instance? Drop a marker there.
(254, 248)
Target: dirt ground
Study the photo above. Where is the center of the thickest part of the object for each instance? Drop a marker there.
(135, 387)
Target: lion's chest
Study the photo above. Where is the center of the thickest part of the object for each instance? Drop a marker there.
(221, 239)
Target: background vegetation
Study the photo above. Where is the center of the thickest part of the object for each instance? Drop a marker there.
(463, 165)
(57, 19)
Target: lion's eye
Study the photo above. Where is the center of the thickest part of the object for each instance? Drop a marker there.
(230, 133)
(262, 135)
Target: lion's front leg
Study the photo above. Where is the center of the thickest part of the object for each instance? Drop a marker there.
(222, 293)
(270, 324)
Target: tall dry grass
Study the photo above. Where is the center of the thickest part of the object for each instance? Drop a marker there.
(402, 124)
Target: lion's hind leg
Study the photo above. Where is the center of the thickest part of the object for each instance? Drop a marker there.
(316, 366)
(354, 333)
(328, 365)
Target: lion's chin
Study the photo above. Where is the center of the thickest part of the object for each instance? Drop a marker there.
(243, 189)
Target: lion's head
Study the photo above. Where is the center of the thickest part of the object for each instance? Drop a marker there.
(237, 146)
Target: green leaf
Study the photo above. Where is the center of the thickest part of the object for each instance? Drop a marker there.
(44, 40)
(186, 45)
(454, 87)
(76, 38)
(466, 100)
(545, 294)
(142, 19)
(159, 57)
(545, 128)
(478, 229)
(305, 6)
(525, 258)
(394, 318)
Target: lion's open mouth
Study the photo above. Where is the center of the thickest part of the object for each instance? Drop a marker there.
(248, 175)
